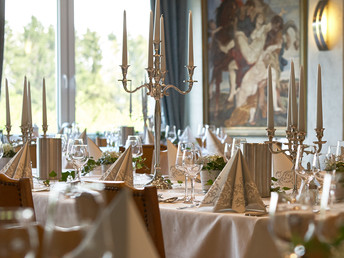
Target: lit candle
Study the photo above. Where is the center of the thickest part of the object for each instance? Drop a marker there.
(293, 97)
(270, 101)
(150, 41)
(302, 121)
(319, 101)
(163, 53)
(124, 54)
(191, 59)
(8, 111)
(44, 103)
(156, 22)
(24, 107)
(29, 111)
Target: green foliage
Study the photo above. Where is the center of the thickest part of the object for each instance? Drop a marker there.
(277, 189)
(209, 182)
(109, 157)
(213, 162)
(65, 175)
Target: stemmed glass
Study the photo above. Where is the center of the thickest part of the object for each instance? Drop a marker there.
(136, 148)
(290, 224)
(193, 165)
(227, 151)
(1, 150)
(79, 156)
(221, 135)
(236, 144)
(201, 132)
(171, 133)
(180, 166)
(18, 233)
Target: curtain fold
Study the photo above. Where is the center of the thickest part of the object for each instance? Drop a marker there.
(175, 18)
(2, 37)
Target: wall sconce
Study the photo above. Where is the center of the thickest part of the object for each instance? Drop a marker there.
(320, 25)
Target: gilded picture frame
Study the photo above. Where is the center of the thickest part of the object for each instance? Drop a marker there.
(240, 39)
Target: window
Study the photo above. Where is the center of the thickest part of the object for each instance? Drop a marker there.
(77, 46)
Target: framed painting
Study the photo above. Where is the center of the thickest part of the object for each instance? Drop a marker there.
(241, 38)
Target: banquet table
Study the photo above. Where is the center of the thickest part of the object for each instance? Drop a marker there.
(197, 232)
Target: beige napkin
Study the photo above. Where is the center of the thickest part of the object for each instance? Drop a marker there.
(174, 173)
(122, 169)
(214, 145)
(148, 137)
(188, 135)
(282, 169)
(83, 136)
(93, 149)
(20, 165)
(119, 230)
(234, 188)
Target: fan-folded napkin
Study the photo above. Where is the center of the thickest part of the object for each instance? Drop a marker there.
(120, 230)
(20, 165)
(234, 188)
(122, 169)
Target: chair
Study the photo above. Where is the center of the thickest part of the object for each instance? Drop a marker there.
(147, 203)
(148, 152)
(15, 192)
(101, 142)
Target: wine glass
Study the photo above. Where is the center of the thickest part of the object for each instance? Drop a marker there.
(290, 225)
(236, 144)
(18, 233)
(340, 150)
(171, 133)
(180, 133)
(179, 165)
(193, 164)
(1, 149)
(201, 132)
(136, 148)
(221, 135)
(227, 151)
(79, 156)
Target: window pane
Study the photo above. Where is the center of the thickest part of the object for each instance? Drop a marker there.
(101, 101)
(30, 51)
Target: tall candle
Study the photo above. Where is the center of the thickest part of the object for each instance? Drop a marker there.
(163, 52)
(270, 101)
(150, 41)
(293, 97)
(289, 102)
(156, 22)
(44, 104)
(124, 54)
(191, 58)
(24, 105)
(8, 111)
(319, 101)
(29, 111)
(302, 121)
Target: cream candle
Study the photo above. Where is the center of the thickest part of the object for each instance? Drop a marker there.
(302, 121)
(125, 52)
(270, 113)
(319, 123)
(191, 57)
(150, 41)
(8, 111)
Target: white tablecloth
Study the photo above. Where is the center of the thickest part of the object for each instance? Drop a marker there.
(192, 233)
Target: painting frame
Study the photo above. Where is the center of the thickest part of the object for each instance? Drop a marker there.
(248, 130)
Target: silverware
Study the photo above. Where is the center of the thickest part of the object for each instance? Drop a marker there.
(169, 200)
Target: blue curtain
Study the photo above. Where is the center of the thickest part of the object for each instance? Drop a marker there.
(175, 18)
(2, 36)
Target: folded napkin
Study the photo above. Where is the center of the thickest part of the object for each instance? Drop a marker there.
(93, 149)
(122, 169)
(234, 188)
(188, 135)
(282, 169)
(120, 231)
(20, 165)
(83, 136)
(214, 145)
(148, 137)
(175, 174)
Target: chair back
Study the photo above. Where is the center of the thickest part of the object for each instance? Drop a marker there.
(148, 152)
(147, 203)
(15, 192)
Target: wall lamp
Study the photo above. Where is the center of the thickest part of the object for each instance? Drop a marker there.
(320, 22)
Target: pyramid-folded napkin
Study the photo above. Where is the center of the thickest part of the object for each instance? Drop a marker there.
(188, 135)
(93, 149)
(122, 169)
(119, 231)
(214, 145)
(234, 188)
(83, 136)
(20, 165)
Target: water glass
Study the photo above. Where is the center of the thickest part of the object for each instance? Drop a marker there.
(79, 156)
(136, 148)
(227, 151)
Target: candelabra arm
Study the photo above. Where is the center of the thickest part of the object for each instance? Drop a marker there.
(319, 134)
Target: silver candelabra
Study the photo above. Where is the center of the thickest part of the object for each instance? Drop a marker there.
(157, 89)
